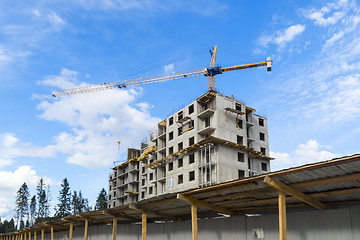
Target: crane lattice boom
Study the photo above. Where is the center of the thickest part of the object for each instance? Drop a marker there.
(209, 72)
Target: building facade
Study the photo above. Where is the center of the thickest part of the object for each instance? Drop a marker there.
(214, 139)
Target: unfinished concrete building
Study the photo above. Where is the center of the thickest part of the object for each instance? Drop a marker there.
(214, 139)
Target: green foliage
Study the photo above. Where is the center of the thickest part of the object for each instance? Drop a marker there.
(32, 210)
(42, 199)
(64, 206)
(22, 203)
(101, 201)
(12, 225)
(79, 204)
(22, 224)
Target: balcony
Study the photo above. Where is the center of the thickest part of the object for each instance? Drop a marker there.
(206, 130)
(206, 113)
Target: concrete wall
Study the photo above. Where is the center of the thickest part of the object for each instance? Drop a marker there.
(320, 225)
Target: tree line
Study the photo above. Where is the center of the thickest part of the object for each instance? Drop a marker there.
(31, 210)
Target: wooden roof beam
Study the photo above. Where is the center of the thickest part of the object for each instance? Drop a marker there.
(55, 226)
(295, 193)
(148, 211)
(92, 219)
(120, 215)
(201, 203)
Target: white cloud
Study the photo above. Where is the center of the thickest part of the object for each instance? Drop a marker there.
(7, 56)
(280, 38)
(49, 17)
(5, 162)
(97, 120)
(325, 89)
(342, 97)
(169, 67)
(66, 79)
(11, 147)
(329, 14)
(10, 182)
(55, 20)
(319, 19)
(310, 152)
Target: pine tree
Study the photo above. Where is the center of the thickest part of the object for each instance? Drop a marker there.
(75, 203)
(64, 205)
(12, 225)
(48, 201)
(41, 198)
(79, 204)
(5, 226)
(101, 201)
(32, 210)
(22, 224)
(22, 203)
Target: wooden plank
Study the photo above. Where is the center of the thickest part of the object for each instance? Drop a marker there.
(295, 193)
(52, 232)
(143, 226)
(290, 198)
(86, 229)
(282, 216)
(42, 234)
(29, 235)
(120, 215)
(71, 230)
(114, 231)
(92, 218)
(204, 204)
(148, 211)
(34, 235)
(194, 225)
(219, 190)
(159, 202)
(328, 180)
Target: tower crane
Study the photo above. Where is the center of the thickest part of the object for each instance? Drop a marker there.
(209, 72)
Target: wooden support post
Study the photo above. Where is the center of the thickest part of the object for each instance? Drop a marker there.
(42, 234)
(71, 231)
(29, 235)
(52, 232)
(294, 192)
(35, 235)
(21, 237)
(143, 232)
(282, 215)
(194, 224)
(25, 236)
(86, 229)
(114, 232)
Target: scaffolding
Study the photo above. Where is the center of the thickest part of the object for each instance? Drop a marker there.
(207, 165)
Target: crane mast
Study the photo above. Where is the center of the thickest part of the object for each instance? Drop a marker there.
(210, 72)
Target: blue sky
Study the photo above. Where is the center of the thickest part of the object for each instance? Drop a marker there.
(311, 98)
